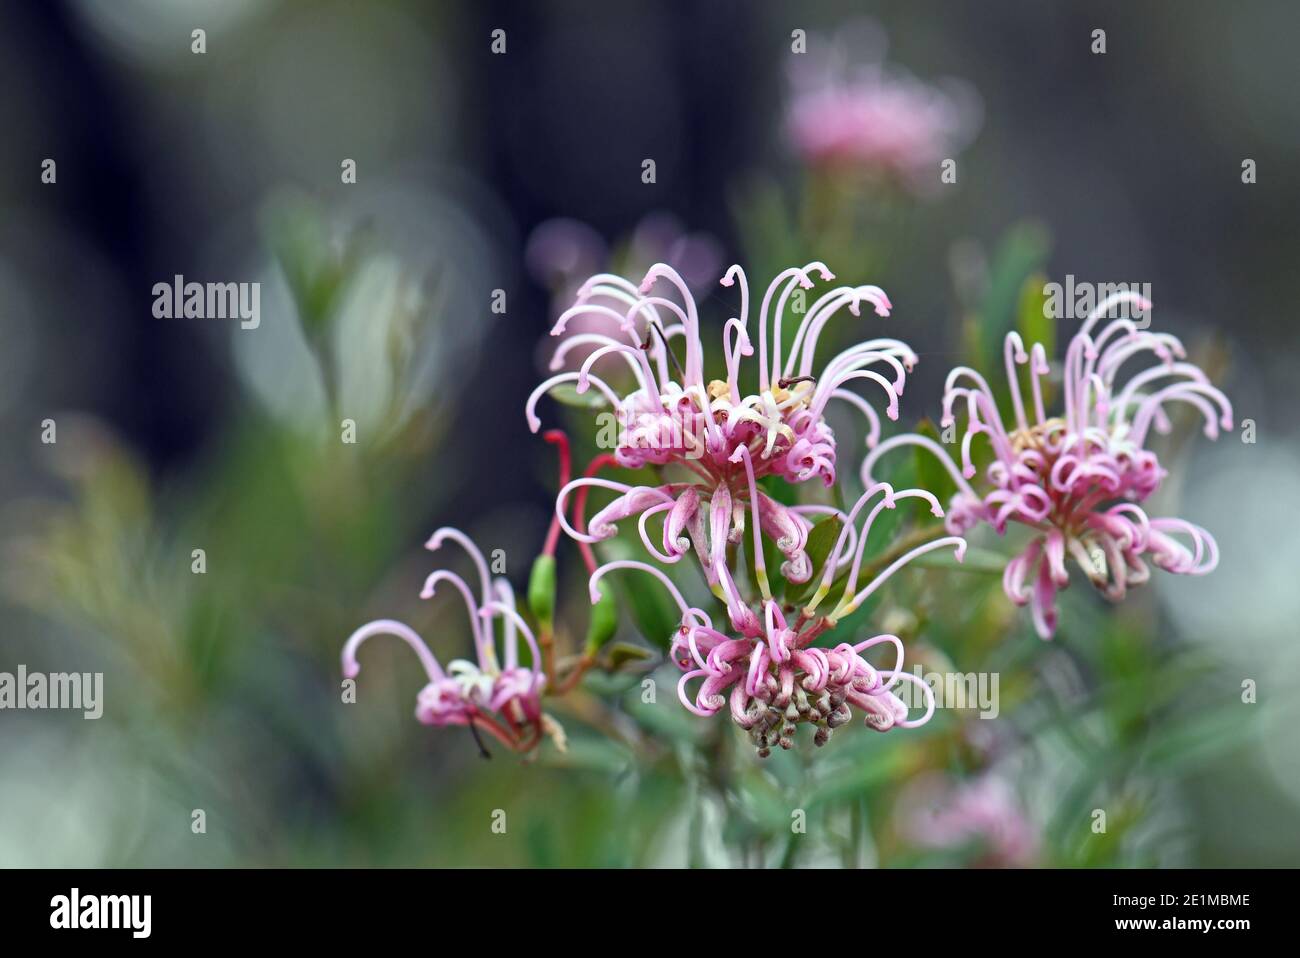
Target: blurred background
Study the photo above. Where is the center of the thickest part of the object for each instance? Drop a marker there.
(479, 172)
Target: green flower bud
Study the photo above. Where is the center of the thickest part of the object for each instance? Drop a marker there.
(604, 622)
(541, 590)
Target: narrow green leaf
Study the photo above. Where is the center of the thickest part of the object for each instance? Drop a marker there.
(624, 653)
(652, 611)
(825, 533)
(1022, 252)
(1033, 323)
(567, 394)
(976, 560)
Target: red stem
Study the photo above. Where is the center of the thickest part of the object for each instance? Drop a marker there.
(580, 507)
(558, 438)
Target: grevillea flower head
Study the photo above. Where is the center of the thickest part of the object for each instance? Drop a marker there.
(722, 437)
(495, 693)
(771, 677)
(1077, 478)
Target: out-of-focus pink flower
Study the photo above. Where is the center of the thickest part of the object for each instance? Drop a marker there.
(496, 693)
(1077, 478)
(771, 677)
(722, 438)
(867, 118)
(562, 253)
(940, 813)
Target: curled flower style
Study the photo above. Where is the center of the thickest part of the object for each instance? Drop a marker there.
(494, 694)
(940, 813)
(562, 253)
(772, 677)
(1077, 478)
(723, 437)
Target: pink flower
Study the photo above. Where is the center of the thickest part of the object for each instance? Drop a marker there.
(561, 253)
(722, 438)
(495, 693)
(870, 119)
(1077, 479)
(772, 677)
(942, 813)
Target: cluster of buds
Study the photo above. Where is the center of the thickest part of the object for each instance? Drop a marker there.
(775, 682)
(1077, 478)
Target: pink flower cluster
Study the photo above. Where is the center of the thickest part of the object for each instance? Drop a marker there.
(495, 694)
(724, 438)
(1077, 479)
(776, 681)
(771, 676)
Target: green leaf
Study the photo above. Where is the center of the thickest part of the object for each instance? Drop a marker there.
(779, 490)
(624, 653)
(299, 235)
(567, 393)
(825, 533)
(1199, 738)
(1032, 322)
(765, 222)
(588, 753)
(1022, 253)
(652, 611)
(1035, 326)
(977, 560)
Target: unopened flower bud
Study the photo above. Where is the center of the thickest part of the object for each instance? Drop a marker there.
(541, 590)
